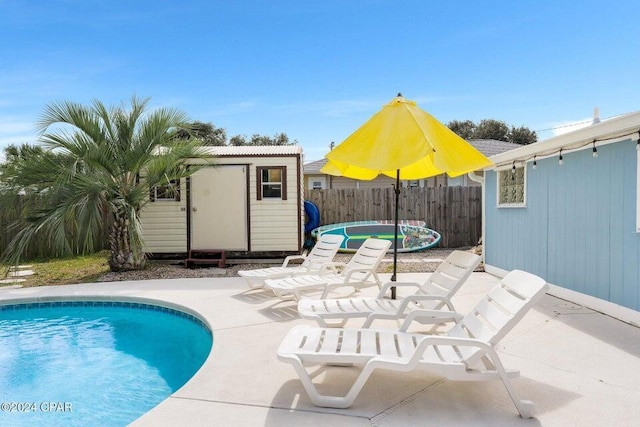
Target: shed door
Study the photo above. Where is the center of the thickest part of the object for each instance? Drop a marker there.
(219, 208)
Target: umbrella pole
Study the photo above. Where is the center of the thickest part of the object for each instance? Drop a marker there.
(395, 240)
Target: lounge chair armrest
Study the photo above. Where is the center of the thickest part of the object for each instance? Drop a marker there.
(350, 272)
(389, 285)
(316, 264)
(416, 298)
(331, 267)
(292, 257)
(432, 340)
(347, 276)
(434, 316)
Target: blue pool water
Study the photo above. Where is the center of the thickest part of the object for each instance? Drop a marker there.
(93, 363)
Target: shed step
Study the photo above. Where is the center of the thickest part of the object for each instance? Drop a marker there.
(206, 256)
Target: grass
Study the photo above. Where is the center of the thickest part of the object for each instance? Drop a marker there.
(65, 271)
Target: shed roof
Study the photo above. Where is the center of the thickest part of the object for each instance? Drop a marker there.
(252, 150)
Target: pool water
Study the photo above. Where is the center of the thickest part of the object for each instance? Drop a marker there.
(93, 363)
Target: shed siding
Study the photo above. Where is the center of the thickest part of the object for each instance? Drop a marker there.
(578, 227)
(275, 222)
(164, 224)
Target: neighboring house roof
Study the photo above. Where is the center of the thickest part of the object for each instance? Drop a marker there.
(488, 147)
(313, 168)
(619, 128)
(491, 147)
(252, 150)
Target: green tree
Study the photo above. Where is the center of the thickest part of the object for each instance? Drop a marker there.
(257, 139)
(92, 162)
(238, 140)
(206, 133)
(492, 129)
(522, 135)
(463, 128)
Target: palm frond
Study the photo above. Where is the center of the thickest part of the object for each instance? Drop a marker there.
(91, 167)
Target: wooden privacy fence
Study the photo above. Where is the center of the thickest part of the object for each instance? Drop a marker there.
(454, 212)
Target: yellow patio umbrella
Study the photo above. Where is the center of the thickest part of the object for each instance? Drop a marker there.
(404, 142)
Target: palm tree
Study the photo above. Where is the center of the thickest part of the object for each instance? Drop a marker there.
(97, 160)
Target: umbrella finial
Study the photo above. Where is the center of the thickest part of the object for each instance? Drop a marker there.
(399, 94)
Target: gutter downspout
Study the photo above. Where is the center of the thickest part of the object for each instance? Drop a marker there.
(473, 176)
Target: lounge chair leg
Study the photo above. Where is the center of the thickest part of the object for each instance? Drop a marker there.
(367, 323)
(331, 401)
(524, 407)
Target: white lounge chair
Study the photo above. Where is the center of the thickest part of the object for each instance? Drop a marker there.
(359, 272)
(465, 353)
(322, 252)
(435, 293)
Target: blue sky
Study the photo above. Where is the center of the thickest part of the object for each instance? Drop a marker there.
(317, 70)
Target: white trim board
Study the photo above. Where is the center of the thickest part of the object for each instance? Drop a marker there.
(638, 187)
(616, 311)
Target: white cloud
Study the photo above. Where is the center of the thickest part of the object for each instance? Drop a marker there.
(12, 126)
(16, 130)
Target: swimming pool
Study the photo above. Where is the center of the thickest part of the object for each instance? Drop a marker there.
(94, 362)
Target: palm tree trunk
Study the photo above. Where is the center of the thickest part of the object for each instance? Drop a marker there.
(123, 256)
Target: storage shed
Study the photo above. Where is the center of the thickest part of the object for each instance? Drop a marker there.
(568, 209)
(249, 200)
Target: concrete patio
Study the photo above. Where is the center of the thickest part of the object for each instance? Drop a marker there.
(578, 366)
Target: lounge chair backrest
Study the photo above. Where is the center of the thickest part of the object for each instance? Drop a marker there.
(499, 311)
(324, 250)
(450, 274)
(369, 254)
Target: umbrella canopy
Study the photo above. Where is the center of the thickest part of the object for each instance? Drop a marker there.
(404, 142)
(403, 137)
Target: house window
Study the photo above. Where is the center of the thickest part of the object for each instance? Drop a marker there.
(166, 193)
(317, 185)
(272, 182)
(512, 188)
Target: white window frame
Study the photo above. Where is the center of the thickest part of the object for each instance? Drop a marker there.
(508, 169)
(158, 193)
(261, 194)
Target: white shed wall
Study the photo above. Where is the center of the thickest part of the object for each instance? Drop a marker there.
(274, 222)
(164, 224)
(275, 225)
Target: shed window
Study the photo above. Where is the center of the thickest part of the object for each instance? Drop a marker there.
(166, 193)
(512, 188)
(272, 182)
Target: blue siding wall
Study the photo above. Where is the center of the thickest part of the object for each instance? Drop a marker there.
(578, 229)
